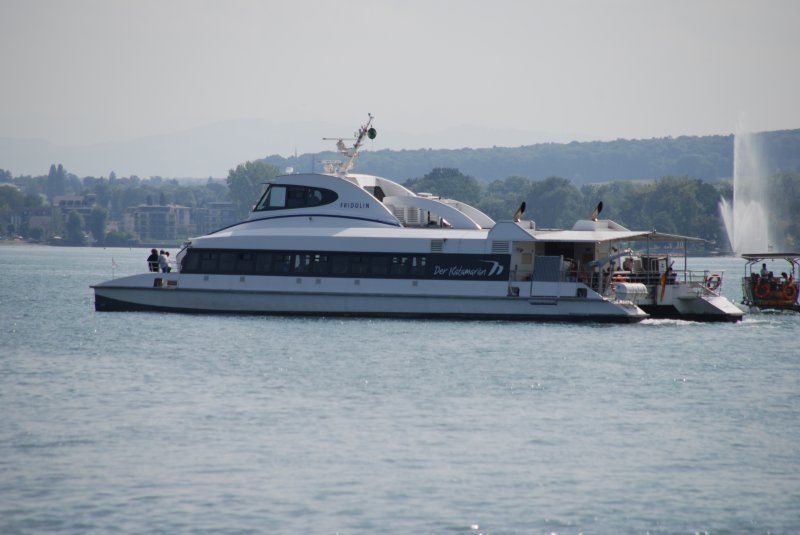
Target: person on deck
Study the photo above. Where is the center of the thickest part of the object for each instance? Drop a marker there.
(163, 263)
(152, 260)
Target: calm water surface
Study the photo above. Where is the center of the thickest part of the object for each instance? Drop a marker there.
(167, 423)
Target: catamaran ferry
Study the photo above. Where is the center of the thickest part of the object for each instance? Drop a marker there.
(341, 243)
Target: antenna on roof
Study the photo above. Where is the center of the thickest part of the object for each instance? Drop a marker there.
(351, 153)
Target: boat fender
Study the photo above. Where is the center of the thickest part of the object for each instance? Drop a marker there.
(762, 289)
(713, 282)
(789, 291)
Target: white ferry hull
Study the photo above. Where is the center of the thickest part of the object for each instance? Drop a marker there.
(300, 296)
(691, 303)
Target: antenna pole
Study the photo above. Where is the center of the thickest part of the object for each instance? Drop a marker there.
(351, 153)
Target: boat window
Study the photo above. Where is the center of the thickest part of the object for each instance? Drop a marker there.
(377, 192)
(340, 264)
(263, 263)
(302, 263)
(320, 264)
(418, 264)
(379, 265)
(359, 265)
(190, 262)
(279, 197)
(245, 263)
(274, 198)
(296, 198)
(400, 265)
(208, 262)
(283, 263)
(227, 262)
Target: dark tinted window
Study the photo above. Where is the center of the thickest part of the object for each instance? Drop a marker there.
(279, 197)
(227, 262)
(263, 263)
(336, 264)
(208, 262)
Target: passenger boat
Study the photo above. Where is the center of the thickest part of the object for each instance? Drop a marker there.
(765, 289)
(342, 243)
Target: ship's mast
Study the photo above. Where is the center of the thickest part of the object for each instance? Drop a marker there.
(350, 153)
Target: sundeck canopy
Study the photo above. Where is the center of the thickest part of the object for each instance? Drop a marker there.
(770, 256)
(595, 236)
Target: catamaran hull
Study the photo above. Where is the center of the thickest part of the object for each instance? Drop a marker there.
(670, 312)
(129, 297)
(684, 303)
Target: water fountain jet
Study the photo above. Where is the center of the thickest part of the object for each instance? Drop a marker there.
(746, 218)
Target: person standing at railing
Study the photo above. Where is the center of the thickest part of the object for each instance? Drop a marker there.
(152, 260)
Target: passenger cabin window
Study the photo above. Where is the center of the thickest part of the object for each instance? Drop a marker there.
(279, 197)
(343, 264)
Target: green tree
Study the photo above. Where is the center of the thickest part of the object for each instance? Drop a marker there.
(448, 183)
(503, 197)
(56, 181)
(97, 223)
(120, 239)
(74, 229)
(555, 203)
(36, 233)
(246, 184)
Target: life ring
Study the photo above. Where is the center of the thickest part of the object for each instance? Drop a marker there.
(762, 289)
(619, 278)
(713, 282)
(789, 291)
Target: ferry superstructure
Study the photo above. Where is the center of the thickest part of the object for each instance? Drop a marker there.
(341, 243)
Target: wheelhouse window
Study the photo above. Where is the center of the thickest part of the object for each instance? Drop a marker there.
(280, 197)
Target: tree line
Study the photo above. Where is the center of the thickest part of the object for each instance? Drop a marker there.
(672, 204)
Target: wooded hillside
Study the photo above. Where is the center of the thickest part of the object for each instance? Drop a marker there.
(708, 158)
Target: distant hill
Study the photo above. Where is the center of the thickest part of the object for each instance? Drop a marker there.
(198, 152)
(213, 149)
(705, 157)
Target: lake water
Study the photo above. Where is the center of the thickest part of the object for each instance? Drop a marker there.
(169, 423)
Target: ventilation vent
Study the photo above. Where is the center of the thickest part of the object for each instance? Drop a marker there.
(408, 216)
(400, 214)
(412, 216)
(437, 246)
(501, 247)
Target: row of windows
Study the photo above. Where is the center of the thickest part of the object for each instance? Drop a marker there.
(305, 263)
(278, 197)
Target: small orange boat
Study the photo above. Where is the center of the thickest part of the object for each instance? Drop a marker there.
(766, 289)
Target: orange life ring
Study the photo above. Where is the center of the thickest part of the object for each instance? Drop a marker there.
(789, 291)
(619, 278)
(762, 289)
(713, 282)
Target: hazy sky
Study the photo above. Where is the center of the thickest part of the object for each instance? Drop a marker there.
(87, 71)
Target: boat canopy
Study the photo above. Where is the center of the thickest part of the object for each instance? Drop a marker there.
(607, 230)
(755, 257)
